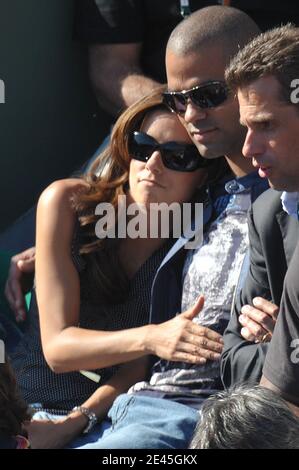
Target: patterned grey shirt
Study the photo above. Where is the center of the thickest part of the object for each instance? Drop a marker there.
(212, 270)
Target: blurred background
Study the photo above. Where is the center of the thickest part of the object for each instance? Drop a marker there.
(50, 122)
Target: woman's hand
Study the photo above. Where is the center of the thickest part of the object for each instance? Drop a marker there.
(182, 340)
(54, 434)
(20, 281)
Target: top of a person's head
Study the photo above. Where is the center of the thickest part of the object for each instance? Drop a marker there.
(225, 26)
(273, 53)
(13, 410)
(246, 418)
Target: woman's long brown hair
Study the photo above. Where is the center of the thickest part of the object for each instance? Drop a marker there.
(101, 255)
(13, 409)
(113, 181)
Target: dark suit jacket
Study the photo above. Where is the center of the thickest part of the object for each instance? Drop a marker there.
(273, 236)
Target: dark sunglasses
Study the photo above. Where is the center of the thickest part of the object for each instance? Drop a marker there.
(210, 95)
(175, 156)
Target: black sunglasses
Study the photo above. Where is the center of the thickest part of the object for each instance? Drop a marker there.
(175, 156)
(209, 95)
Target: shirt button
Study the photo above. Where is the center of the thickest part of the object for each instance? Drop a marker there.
(233, 187)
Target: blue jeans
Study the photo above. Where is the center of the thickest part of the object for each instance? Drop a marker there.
(144, 422)
(139, 422)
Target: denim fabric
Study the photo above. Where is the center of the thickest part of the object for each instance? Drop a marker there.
(141, 422)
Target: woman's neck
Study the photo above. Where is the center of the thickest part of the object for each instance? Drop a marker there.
(134, 252)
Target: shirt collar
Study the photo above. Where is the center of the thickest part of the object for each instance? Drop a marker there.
(290, 203)
(231, 184)
(238, 185)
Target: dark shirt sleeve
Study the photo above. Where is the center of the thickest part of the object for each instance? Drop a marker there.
(109, 21)
(282, 361)
(7, 442)
(242, 361)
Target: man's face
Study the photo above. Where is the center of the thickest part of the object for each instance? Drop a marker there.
(214, 131)
(272, 139)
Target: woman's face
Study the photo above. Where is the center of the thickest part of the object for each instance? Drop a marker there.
(151, 181)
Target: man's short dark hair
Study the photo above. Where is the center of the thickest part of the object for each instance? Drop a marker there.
(226, 27)
(246, 418)
(273, 53)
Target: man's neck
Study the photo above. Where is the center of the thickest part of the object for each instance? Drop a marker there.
(239, 165)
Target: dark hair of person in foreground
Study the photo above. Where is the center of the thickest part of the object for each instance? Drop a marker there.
(246, 418)
(13, 410)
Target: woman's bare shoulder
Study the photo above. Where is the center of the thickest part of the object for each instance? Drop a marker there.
(56, 215)
(59, 193)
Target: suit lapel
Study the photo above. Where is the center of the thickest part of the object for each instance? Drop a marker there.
(289, 227)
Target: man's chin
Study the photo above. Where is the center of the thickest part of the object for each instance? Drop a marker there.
(275, 185)
(208, 153)
(283, 186)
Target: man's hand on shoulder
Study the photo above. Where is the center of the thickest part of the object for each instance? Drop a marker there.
(20, 281)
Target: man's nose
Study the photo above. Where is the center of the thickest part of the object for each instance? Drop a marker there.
(154, 163)
(194, 113)
(253, 146)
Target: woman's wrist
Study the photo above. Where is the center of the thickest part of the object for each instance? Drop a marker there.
(90, 416)
(148, 339)
(75, 423)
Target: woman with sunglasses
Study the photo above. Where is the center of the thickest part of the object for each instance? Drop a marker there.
(93, 295)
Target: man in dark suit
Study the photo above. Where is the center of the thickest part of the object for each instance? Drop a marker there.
(273, 236)
(265, 75)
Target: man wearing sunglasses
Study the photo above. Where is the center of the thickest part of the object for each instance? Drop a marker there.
(197, 53)
(209, 110)
(153, 414)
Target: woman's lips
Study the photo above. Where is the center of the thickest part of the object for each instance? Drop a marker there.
(150, 182)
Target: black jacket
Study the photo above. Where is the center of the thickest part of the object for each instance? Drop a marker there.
(273, 236)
